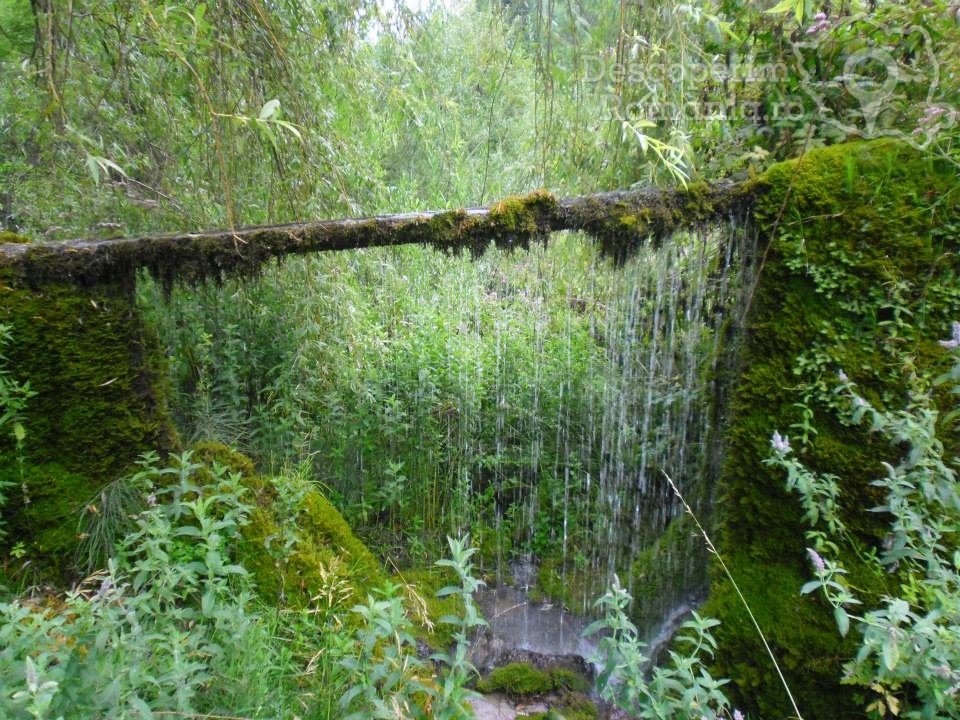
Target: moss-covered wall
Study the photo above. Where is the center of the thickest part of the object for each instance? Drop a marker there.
(862, 271)
(97, 373)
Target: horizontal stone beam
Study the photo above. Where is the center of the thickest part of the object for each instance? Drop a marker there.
(620, 220)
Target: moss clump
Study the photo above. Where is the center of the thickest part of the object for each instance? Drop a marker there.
(569, 680)
(510, 222)
(300, 550)
(569, 706)
(10, 237)
(521, 214)
(210, 452)
(517, 680)
(520, 680)
(101, 401)
(861, 271)
(621, 222)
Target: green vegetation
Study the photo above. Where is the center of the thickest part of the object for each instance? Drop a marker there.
(907, 640)
(347, 413)
(99, 399)
(517, 680)
(861, 271)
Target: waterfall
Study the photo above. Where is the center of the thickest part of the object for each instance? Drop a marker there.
(577, 385)
(534, 398)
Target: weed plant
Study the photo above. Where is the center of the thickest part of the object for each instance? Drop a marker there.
(172, 627)
(909, 641)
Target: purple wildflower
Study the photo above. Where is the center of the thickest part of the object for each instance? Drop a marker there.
(779, 443)
(954, 342)
(859, 402)
(817, 561)
(151, 499)
(105, 587)
(842, 377)
(822, 23)
(931, 116)
(737, 715)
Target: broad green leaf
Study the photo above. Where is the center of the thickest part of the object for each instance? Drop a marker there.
(891, 653)
(843, 620)
(94, 167)
(784, 6)
(269, 109)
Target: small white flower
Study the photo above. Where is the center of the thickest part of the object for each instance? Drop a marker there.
(954, 342)
(842, 376)
(817, 561)
(779, 443)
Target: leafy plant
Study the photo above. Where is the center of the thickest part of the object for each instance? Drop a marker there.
(169, 626)
(909, 644)
(681, 689)
(388, 678)
(13, 400)
(452, 696)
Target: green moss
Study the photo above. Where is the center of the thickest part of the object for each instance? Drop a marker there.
(8, 236)
(520, 680)
(630, 220)
(100, 402)
(570, 706)
(302, 553)
(861, 261)
(517, 680)
(209, 452)
(521, 214)
(511, 222)
(45, 518)
(569, 680)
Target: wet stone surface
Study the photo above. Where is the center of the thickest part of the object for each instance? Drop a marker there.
(544, 635)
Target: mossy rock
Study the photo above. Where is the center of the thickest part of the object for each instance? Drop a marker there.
(568, 680)
(517, 680)
(211, 452)
(301, 552)
(101, 400)
(861, 236)
(569, 706)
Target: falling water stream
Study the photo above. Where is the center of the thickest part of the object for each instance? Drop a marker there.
(543, 404)
(666, 333)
